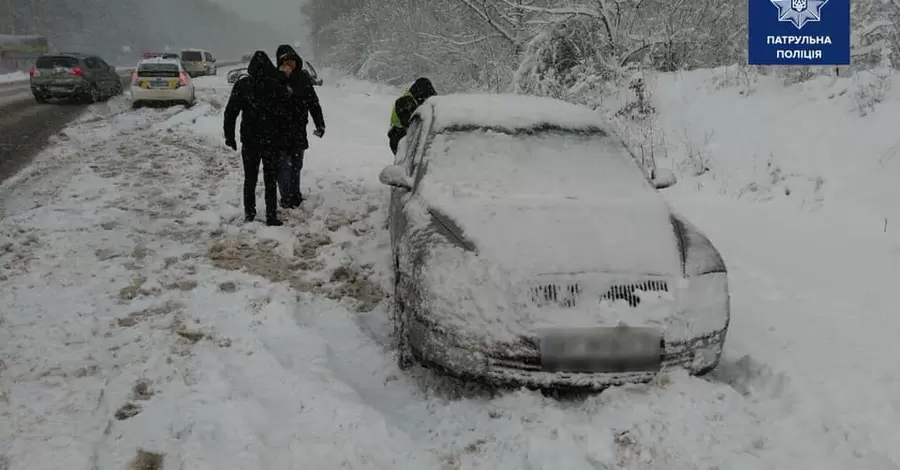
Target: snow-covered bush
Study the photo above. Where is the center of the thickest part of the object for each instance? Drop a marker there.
(639, 108)
(871, 86)
(742, 77)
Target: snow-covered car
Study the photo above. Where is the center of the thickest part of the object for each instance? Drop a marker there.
(530, 249)
(235, 74)
(159, 80)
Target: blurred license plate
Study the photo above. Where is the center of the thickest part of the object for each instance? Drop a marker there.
(158, 83)
(601, 349)
(59, 89)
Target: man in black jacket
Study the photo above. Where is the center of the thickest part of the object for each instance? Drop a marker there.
(404, 107)
(306, 103)
(264, 103)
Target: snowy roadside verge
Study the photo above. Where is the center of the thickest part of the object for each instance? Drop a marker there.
(122, 341)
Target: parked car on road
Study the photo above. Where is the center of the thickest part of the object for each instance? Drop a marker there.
(317, 81)
(235, 74)
(163, 81)
(198, 62)
(530, 249)
(74, 76)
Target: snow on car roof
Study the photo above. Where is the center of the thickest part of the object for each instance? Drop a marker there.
(510, 111)
(159, 60)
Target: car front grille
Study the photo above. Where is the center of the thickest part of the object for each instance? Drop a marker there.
(628, 292)
(565, 295)
(569, 294)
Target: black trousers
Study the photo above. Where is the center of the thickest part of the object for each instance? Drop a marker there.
(252, 157)
(289, 178)
(395, 135)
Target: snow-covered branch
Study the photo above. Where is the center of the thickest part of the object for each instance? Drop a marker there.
(467, 42)
(483, 14)
(557, 11)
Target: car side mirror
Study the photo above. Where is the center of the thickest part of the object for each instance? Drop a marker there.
(662, 178)
(395, 176)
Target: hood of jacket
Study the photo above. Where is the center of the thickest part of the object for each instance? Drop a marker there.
(261, 66)
(285, 52)
(422, 89)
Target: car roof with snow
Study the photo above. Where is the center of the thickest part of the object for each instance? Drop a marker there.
(512, 112)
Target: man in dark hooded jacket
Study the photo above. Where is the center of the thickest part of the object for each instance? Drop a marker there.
(263, 102)
(404, 108)
(306, 103)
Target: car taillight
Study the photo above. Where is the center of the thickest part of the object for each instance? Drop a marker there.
(34, 72)
(134, 77)
(183, 79)
(77, 72)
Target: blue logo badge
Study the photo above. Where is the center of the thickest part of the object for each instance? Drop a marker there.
(798, 12)
(798, 32)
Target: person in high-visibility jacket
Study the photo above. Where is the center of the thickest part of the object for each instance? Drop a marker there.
(404, 108)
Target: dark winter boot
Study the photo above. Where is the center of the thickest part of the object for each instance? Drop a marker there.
(273, 222)
(250, 217)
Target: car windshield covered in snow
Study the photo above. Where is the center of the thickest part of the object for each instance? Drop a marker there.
(550, 163)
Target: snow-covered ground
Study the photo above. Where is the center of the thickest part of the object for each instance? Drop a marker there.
(145, 326)
(13, 77)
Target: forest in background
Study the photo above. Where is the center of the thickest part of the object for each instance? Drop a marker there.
(560, 48)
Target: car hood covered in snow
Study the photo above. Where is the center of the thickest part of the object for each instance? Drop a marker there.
(551, 201)
(568, 236)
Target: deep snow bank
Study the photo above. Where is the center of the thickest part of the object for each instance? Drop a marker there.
(829, 143)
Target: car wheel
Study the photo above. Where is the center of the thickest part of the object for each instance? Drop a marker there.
(40, 98)
(136, 104)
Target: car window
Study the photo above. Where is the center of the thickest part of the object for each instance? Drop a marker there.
(92, 63)
(158, 70)
(52, 62)
(207, 56)
(192, 56)
(101, 64)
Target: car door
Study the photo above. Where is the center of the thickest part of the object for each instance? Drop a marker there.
(98, 75)
(111, 76)
(397, 219)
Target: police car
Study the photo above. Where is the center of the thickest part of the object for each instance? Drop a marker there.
(158, 80)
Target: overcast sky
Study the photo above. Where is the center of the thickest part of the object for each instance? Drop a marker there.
(284, 14)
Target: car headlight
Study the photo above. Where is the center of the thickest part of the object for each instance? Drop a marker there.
(700, 256)
(443, 349)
